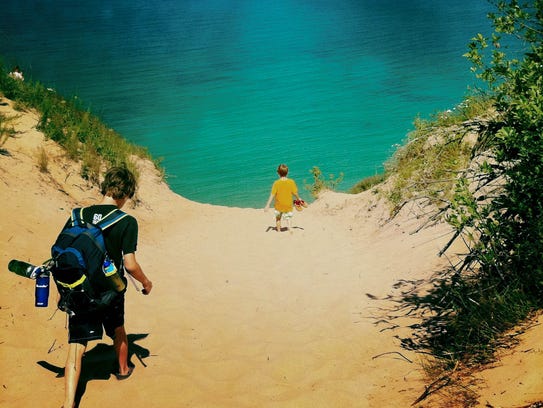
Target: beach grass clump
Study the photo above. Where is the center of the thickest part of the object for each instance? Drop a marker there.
(43, 159)
(83, 135)
(431, 156)
(429, 162)
(469, 318)
(367, 183)
(321, 183)
(6, 129)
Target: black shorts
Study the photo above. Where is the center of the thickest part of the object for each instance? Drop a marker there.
(85, 327)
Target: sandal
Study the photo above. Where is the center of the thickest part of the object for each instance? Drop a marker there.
(125, 376)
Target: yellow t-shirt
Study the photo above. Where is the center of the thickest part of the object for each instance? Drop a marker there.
(282, 190)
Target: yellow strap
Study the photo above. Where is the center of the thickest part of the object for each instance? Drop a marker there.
(73, 285)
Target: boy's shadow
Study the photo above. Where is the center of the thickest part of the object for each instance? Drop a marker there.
(100, 362)
(283, 229)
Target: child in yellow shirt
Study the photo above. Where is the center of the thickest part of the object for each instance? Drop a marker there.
(282, 191)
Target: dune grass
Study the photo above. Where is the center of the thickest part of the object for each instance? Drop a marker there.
(85, 138)
(427, 165)
(6, 130)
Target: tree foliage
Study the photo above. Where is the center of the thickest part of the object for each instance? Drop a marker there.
(498, 203)
(511, 223)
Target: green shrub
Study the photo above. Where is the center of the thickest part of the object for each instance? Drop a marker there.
(320, 183)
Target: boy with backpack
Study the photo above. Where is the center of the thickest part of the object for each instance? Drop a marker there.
(120, 240)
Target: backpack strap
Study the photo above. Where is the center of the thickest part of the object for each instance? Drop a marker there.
(111, 218)
(74, 284)
(77, 217)
(107, 221)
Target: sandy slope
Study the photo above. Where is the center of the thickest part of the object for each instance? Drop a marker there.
(240, 315)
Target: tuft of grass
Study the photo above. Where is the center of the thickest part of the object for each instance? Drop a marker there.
(43, 159)
(367, 183)
(6, 128)
(320, 183)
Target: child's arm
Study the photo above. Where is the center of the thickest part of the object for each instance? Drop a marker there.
(295, 192)
(269, 202)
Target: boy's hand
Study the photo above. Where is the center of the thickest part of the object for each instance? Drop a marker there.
(147, 287)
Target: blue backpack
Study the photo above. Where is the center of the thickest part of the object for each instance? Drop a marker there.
(78, 255)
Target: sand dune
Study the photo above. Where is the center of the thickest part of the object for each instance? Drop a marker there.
(240, 315)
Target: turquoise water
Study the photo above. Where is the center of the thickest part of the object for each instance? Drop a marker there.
(224, 91)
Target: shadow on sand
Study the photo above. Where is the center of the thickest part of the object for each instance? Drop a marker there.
(283, 229)
(100, 363)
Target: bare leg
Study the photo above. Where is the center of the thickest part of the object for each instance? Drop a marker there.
(278, 223)
(120, 343)
(72, 371)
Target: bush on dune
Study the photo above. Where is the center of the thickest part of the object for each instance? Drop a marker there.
(495, 205)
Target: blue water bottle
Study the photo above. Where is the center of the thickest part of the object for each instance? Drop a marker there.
(42, 289)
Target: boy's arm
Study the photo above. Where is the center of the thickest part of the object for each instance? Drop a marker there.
(133, 268)
(269, 202)
(295, 192)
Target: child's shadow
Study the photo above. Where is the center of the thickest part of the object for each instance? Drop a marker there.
(100, 363)
(283, 229)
